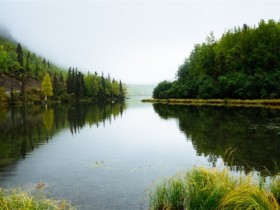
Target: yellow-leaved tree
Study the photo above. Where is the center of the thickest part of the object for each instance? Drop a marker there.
(47, 88)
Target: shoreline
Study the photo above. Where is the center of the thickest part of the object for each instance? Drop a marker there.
(264, 103)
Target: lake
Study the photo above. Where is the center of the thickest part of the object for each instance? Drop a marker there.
(109, 156)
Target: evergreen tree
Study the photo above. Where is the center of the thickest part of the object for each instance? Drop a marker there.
(56, 85)
(69, 82)
(36, 70)
(19, 54)
(27, 68)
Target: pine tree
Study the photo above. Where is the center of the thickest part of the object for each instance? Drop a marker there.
(56, 86)
(27, 68)
(19, 54)
(121, 90)
(36, 70)
(69, 82)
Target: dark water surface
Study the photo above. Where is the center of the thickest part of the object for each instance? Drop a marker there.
(108, 157)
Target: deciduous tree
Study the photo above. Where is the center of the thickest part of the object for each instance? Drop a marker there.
(47, 87)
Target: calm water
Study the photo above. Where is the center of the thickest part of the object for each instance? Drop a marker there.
(108, 157)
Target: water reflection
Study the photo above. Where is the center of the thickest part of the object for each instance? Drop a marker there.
(23, 129)
(245, 138)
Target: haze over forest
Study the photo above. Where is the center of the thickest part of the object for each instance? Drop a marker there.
(139, 42)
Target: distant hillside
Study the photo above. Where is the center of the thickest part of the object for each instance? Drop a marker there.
(139, 90)
(22, 72)
(28, 62)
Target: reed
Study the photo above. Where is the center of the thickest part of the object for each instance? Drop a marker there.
(202, 188)
(17, 199)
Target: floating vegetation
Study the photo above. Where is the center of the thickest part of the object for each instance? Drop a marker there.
(202, 188)
(40, 185)
(97, 164)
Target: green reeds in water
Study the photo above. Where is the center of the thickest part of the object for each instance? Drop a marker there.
(16, 199)
(202, 188)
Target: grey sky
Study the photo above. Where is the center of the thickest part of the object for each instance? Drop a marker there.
(136, 41)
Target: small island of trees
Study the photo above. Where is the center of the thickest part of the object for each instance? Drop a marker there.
(243, 64)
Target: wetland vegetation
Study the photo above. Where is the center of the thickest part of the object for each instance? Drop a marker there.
(202, 188)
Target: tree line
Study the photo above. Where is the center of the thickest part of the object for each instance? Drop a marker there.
(243, 64)
(93, 86)
(52, 82)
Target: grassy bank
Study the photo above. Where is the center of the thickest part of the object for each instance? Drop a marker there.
(202, 188)
(16, 199)
(270, 103)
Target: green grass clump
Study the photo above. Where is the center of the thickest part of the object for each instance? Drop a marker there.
(202, 188)
(205, 187)
(275, 188)
(249, 197)
(170, 194)
(18, 200)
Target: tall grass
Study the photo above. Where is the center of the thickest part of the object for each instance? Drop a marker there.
(249, 197)
(205, 187)
(16, 199)
(275, 187)
(202, 188)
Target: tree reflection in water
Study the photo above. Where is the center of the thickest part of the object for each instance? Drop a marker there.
(23, 129)
(247, 139)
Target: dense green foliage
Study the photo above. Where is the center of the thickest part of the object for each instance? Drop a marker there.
(202, 188)
(244, 64)
(93, 86)
(25, 71)
(17, 60)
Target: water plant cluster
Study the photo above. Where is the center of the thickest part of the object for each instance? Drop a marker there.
(202, 188)
(17, 199)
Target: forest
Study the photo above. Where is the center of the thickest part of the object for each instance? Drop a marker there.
(243, 64)
(28, 78)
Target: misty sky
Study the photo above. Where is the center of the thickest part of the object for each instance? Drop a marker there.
(140, 42)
